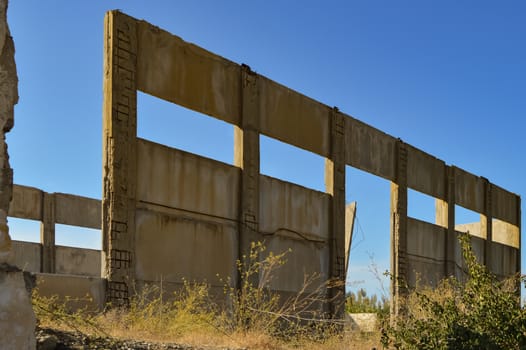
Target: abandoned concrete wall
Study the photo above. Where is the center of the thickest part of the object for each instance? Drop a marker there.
(50, 209)
(63, 271)
(242, 205)
(82, 291)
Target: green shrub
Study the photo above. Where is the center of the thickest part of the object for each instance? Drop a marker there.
(481, 313)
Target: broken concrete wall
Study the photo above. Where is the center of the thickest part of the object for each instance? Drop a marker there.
(175, 207)
(51, 209)
(17, 320)
(140, 56)
(187, 228)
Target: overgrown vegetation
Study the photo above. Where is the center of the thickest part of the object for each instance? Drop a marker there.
(482, 313)
(251, 315)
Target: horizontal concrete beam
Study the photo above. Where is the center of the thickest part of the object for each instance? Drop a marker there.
(505, 205)
(425, 173)
(369, 149)
(26, 203)
(291, 117)
(77, 211)
(469, 190)
(183, 73)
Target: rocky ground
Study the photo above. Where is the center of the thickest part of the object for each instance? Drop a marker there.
(50, 339)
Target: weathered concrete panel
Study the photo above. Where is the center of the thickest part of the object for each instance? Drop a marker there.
(469, 190)
(425, 239)
(369, 149)
(77, 261)
(173, 247)
(503, 260)
(84, 291)
(505, 233)
(293, 118)
(425, 252)
(77, 211)
(291, 209)
(177, 179)
(306, 260)
(27, 255)
(180, 72)
(504, 205)
(425, 173)
(471, 228)
(26, 203)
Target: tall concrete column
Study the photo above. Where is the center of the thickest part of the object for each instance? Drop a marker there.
(335, 186)
(17, 320)
(246, 157)
(47, 233)
(119, 159)
(445, 217)
(486, 227)
(399, 230)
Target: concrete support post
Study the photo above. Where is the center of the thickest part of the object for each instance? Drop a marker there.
(519, 254)
(399, 230)
(335, 186)
(246, 157)
(486, 225)
(47, 233)
(119, 159)
(445, 217)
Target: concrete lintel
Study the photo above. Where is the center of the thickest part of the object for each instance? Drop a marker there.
(26, 203)
(77, 211)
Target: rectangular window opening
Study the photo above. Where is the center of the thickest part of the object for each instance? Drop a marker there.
(468, 221)
(76, 236)
(370, 245)
(24, 229)
(292, 164)
(421, 206)
(172, 125)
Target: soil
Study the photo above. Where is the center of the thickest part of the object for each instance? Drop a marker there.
(51, 339)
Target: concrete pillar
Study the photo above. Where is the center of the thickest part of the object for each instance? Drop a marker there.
(47, 233)
(119, 158)
(445, 217)
(399, 230)
(335, 186)
(17, 320)
(246, 157)
(519, 254)
(486, 226)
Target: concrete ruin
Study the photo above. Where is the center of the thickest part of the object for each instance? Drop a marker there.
(17, 320)
(163, 207)
(168, 214)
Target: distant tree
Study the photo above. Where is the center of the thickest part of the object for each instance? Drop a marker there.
(360, 302)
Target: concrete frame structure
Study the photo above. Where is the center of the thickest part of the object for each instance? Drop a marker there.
(140, 56)
(59, 270)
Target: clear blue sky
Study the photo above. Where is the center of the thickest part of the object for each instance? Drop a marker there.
(448, 77)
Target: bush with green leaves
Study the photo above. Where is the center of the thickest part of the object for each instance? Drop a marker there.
(480, 313)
